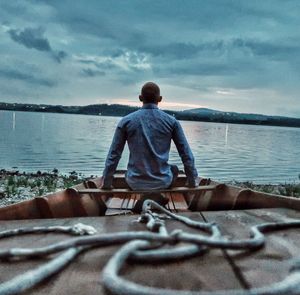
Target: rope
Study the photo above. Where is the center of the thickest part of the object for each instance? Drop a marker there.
(155, 244)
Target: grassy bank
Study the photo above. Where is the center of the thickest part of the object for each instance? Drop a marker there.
(284, 189)
(16, 186)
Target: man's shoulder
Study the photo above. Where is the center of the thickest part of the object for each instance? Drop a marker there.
(129, 117)
(167, 116)
(139, 113)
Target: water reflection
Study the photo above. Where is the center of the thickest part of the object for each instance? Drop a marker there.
(226, 134)
(13, 121)
(43, 123)
(44, 141)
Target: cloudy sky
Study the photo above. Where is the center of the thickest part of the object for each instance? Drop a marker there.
(228, 55)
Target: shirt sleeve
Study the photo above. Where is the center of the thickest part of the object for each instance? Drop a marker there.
(114, 155)
(185, 154)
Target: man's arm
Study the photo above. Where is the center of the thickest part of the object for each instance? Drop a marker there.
(113, 157)
(185, 154)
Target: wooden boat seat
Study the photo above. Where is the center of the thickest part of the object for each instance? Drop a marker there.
(128, 191)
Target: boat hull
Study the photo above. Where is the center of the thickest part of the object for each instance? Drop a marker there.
(91, 201)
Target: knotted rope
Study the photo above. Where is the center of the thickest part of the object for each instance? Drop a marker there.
(141, 246)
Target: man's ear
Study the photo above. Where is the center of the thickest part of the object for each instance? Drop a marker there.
(141, 98)
(159, 99)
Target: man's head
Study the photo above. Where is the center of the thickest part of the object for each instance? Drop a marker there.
(150, 93)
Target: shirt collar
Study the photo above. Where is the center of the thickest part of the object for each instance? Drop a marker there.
(150, 106)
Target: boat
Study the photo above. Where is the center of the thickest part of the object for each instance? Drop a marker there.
(87, 199)
(212, 239)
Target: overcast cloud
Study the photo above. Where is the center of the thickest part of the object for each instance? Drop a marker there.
(229, 55)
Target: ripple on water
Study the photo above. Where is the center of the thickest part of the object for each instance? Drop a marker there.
(39, 141)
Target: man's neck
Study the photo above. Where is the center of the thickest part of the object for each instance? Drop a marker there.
(150, 105)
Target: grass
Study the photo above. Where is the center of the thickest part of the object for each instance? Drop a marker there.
(14, 185)
(285, 189)
(44, 183)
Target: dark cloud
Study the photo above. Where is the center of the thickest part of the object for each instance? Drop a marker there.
(88, 72)
(182, 50)
(198, 69)
(102, 65)
(59, 55)
(33, 38)
(273, 50)
(13, 74)
(241, 47)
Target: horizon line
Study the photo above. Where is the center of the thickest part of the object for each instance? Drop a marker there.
(140, 105)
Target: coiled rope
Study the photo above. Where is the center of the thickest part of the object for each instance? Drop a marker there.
(141, 246)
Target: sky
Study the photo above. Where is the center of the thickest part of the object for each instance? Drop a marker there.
(241, 56)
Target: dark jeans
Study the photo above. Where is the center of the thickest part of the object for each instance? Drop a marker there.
(157, 197)
(175, 172)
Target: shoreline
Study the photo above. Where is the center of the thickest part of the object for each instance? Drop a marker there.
(18, 186)
(185, 115)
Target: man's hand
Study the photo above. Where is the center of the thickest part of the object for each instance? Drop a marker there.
(193, 182)
(197, 180)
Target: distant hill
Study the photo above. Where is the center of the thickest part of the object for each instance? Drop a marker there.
(199, 114)
(93, 109)
(201, 111)
(233, 117)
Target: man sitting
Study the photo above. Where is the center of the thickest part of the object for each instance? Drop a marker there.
(149, 132)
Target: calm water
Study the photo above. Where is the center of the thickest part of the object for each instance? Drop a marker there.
(37, 141)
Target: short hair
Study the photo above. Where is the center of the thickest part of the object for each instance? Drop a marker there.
(150, 92)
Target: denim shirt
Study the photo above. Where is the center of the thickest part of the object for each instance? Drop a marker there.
(148, 132)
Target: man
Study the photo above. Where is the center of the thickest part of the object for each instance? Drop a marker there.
(149, 132)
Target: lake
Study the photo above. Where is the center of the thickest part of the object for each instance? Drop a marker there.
(44, 141)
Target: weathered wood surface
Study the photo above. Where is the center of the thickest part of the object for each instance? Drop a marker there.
(216, 270)
(208, 272)
(270, 264)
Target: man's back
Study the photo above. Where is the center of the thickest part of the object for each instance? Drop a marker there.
(149, 132)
